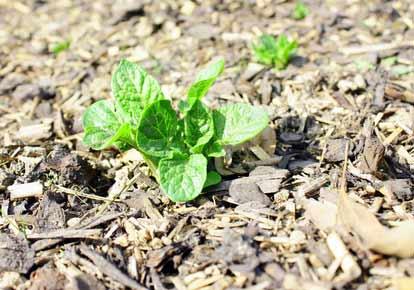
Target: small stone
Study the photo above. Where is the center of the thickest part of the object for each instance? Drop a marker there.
(203, 31)
(269, 186)
(73, 221)
(265, 91)
(113, 51)
(360, 82)
(11, 280)
(188, 8)
(268, 170)
(44, 89)
(140, 54)
(402, 188)
(11, 81)
(6, 179)
(44, 110)
(252, 70)
(244, 190)
(335, 150)
(47, 88)
(15, 254)
(26, 92)
(38, 46)
(275, 271)
(291, 137)
(345, 86)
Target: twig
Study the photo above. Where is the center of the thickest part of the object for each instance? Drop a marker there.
(97, 220)
(267, 162)
(86, 195)
(65, 234)
(343, 181)
(123, 189)
(90, 223)
(343, 256)
(348, 50)
(109, 269)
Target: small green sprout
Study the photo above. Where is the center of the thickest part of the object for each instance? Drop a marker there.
(60, 47)
(274, 52)
(300, 11)
(177, 147)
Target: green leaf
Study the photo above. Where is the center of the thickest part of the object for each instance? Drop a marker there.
(60, 47)
(237, 123)
(300, 11)
(285, 50)
(213, 178)
(134, 89)
(214, 149)
(389, 61)
(122, 146)
(265, 49)
(183, 106)
(105, 127)
(275, 52)
(159, 131)
(204, 80)
(198, 127)
(182, 178)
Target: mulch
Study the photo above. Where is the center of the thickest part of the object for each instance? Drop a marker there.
(288, 213)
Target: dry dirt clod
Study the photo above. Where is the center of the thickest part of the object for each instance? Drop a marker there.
(48, 279)
(11, 81)
(402, 188)
(71, 167)
(251, 71)
(244, 190)
(26, 92)
(15, 254)
(335, 150)
(50, 216)
(238, 253)
(262, 180)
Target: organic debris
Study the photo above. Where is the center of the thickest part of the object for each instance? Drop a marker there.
(321, 199)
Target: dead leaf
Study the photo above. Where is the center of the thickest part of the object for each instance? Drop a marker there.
(397, 241)
(321, 213)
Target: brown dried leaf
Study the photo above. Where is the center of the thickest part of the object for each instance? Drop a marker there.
(321, 213)
(397, 241)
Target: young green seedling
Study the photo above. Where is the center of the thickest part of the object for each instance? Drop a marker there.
(274, 52)
(60, 47)
(177, 149)
(300, 11)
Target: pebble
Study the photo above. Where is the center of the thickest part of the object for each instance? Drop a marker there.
(11, 81)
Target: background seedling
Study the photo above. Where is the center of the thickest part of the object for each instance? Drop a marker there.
(274, 52)
(60, 47)
(300, 11)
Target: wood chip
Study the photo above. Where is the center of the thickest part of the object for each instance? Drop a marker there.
(109, 269)
(32, 189)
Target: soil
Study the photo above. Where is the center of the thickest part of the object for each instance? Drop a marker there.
(342, 119)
